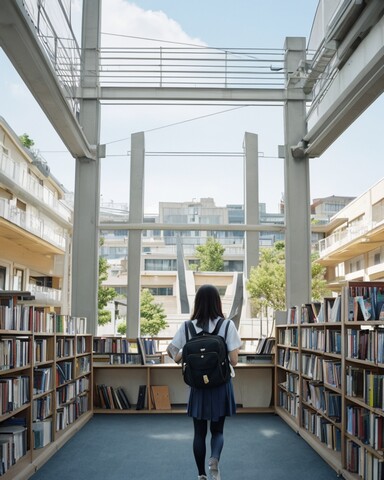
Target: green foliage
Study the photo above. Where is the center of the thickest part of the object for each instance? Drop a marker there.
(105, 294)
(266, 284)
(26, 140)
(152, 316)
(210, 256)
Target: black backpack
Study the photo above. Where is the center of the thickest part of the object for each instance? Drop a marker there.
(205, 362)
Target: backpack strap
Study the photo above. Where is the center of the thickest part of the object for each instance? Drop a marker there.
(188, 325)
(218, 326)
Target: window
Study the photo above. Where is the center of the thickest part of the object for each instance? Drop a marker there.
(18, 279)
(163, 265)
(3, 276)
(376, 259)
(160, 291)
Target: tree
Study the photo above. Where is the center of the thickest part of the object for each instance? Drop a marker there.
(210, 256)
(26, 140)
(266, 284)
(152, 316)
(105, 294)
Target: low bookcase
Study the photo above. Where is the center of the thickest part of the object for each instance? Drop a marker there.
(253, 381)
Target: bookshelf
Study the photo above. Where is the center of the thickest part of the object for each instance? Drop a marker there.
(329, 378)
(110, 373)
(34, 346)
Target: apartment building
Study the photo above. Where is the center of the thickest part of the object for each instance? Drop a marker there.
(353, 248)
(35, 225)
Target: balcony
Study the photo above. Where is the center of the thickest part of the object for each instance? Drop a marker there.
(45, 295)
(345, 244)
(31, 224)
(19, 176)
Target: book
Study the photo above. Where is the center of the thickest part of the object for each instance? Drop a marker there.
(160, 397)
(141, 397)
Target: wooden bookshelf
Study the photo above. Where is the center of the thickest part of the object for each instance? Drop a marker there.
(247, 381)
(32, 353)
(331, 393)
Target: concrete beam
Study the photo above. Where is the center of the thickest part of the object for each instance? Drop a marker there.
(198, 226)
(356, 86)
(160, 94)
(19, 41)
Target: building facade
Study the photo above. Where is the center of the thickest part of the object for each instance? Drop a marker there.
(353, 247)
(35, 225)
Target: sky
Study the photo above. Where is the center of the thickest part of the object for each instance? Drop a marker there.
(349, 167)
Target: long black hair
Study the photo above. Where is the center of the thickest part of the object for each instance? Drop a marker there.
(207, 306)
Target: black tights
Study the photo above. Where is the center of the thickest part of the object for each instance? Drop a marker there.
(200, 434)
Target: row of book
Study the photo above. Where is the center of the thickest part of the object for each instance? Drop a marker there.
(125, 359)
(28, 318)
(68, 413)
(366, 344)
(65, 347)
(326, 401)
(365, 303)
(289, 402)
(289, 337)
(312, 366)
(366, 385)
(313, 339)
(112, 397)
(367, 426)
(42, 433)
(70, 325)
(64, 372)
(65, 394)
(42, 380)
(42, 408)
(14, 392)
(329, 310)
(323, 429)
(15, 352)
(13, 443)
(363, 463)
(265, 345)
(83, 365)
(40, 350)
(288, 358)
(112, 345)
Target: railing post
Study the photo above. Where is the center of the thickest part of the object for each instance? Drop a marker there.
(161, 67)
(225, 69)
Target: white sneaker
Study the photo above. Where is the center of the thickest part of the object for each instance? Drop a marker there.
(214, 472)
(202, 477)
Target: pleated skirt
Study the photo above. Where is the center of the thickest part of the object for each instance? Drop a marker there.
(212, 403)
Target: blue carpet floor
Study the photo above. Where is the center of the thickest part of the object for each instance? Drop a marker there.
(159, 447)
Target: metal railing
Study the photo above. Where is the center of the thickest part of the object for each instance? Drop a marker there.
(192, 67)
(45, 294)
(19, 174)
(32, 223)
(342, 237)
(52, 21)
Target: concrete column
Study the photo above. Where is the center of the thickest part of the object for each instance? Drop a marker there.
(136, 215)
(85, 263)
(251, 199)
(297, 191)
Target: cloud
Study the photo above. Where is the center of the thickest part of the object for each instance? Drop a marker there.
(123, 18)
